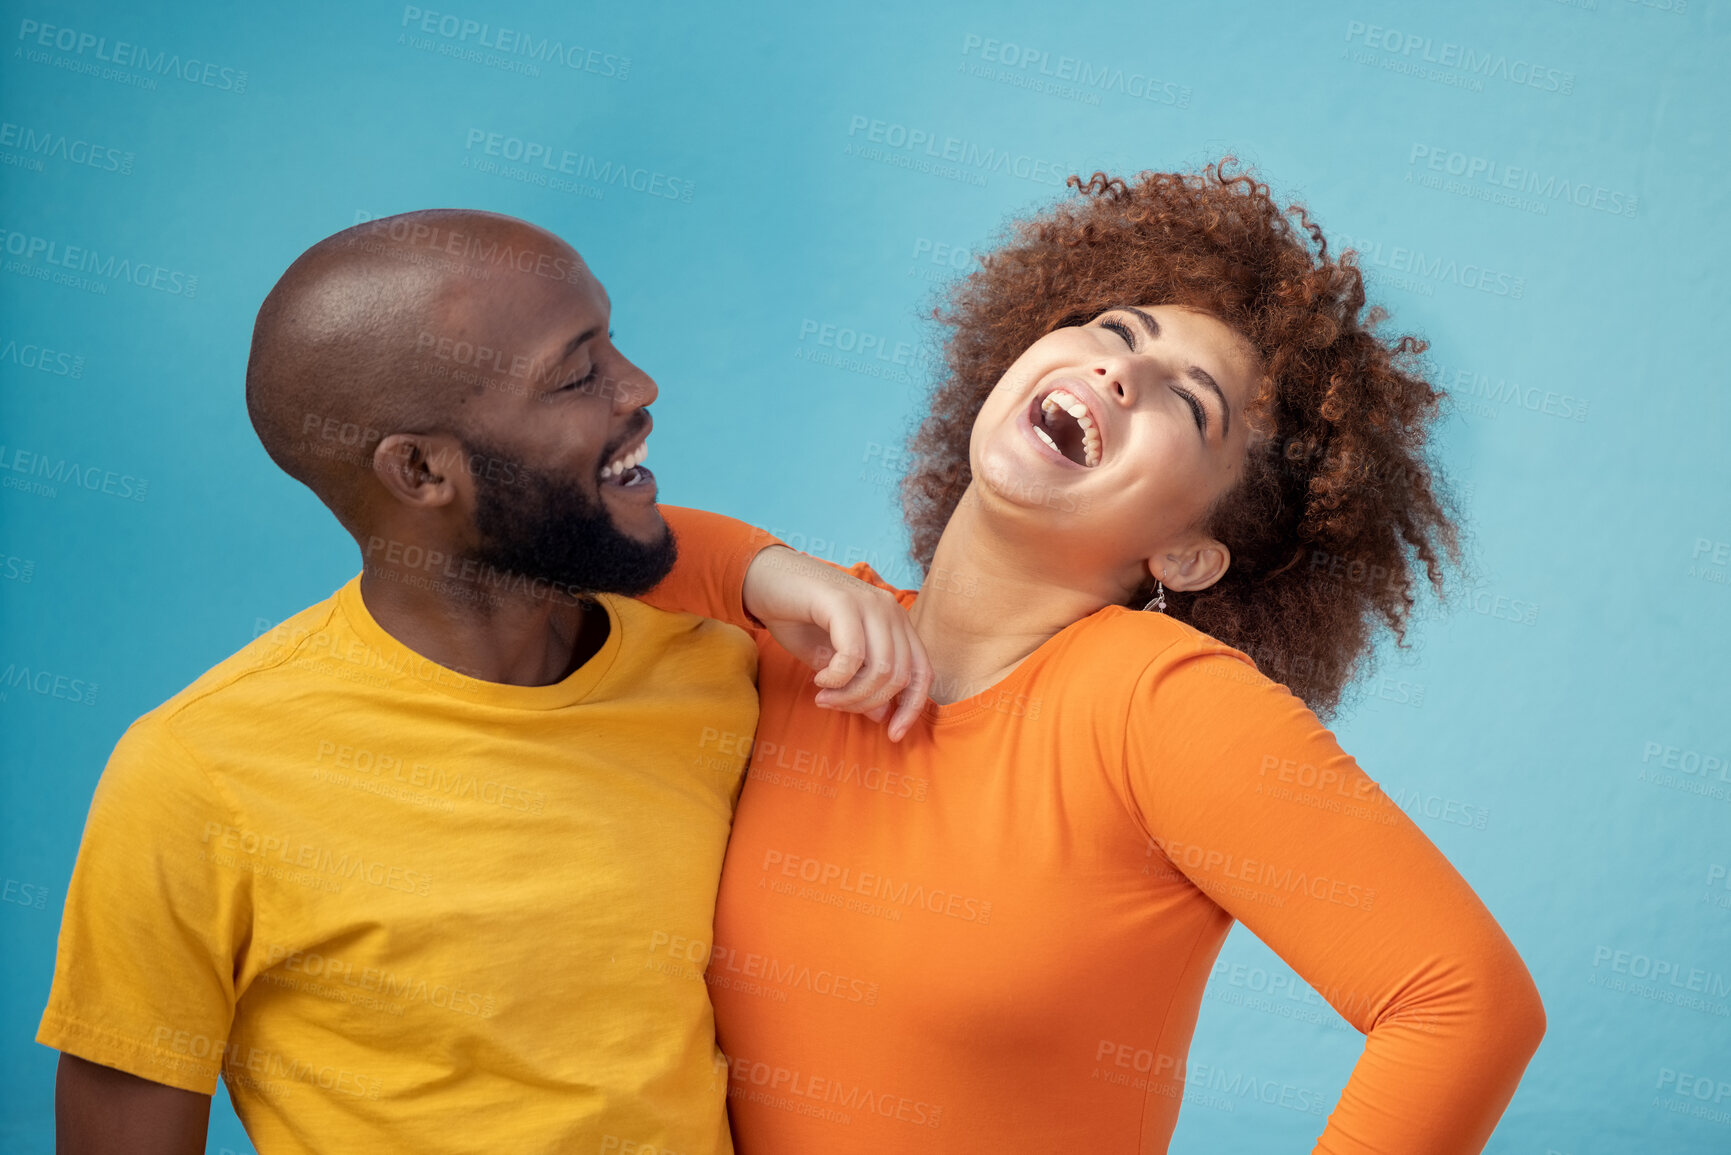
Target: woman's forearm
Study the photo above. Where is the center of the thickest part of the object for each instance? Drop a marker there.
(709, 576)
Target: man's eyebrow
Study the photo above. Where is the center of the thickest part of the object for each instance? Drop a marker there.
(1200, 375)
(576, 342)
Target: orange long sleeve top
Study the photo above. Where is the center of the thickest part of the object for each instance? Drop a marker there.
(994, 935)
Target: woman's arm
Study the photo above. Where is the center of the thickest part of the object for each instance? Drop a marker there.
(1247, 794)
(708, 579)
(852, 632)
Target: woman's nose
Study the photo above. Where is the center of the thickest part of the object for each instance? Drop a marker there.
(1116, 384)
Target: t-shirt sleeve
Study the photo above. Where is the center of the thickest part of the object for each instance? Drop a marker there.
(156, 915)
(708, 579)
(1249, 796)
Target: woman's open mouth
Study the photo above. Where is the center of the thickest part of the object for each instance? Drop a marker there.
(1062, 421)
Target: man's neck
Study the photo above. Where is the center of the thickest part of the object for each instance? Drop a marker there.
(515, 639)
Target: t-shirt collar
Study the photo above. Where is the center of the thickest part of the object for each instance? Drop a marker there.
(414, 668)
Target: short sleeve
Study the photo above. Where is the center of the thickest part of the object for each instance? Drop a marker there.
(1249, 796)
(157, 911)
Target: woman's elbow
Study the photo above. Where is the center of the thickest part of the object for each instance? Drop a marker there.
(1528, 1014)
(1514, 1012)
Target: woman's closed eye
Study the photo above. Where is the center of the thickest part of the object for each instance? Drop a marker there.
(1196, 408)
(1122, 330)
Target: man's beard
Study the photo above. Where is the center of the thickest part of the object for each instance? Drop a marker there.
(542, 526)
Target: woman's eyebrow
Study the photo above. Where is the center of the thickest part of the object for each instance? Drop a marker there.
(1148, 322)
(1202, 376)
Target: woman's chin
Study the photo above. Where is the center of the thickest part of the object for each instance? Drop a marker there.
(1033, 488)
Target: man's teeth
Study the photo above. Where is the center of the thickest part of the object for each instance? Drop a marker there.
(630, 461)
(1062, 399)
(1047, 438)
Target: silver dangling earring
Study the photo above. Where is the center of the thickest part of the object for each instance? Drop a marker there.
(1158, 602)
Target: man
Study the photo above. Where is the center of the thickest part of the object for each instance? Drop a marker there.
(409, 871)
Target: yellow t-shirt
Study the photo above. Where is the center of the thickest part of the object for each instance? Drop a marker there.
(399, 909)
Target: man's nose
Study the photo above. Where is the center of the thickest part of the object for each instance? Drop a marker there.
(637, 391)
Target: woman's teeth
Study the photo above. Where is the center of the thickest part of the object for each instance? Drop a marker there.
(630, 461)
(1062, 400)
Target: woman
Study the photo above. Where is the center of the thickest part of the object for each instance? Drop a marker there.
(1168, 443)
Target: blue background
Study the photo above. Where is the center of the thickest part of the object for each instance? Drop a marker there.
(1562, 735)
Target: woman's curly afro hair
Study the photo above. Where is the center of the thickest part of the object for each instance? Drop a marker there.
(1337, 504)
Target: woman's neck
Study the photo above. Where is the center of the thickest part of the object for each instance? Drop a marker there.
(990, 598)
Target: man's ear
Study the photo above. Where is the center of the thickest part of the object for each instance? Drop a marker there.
(1196, 566)
(422, 470)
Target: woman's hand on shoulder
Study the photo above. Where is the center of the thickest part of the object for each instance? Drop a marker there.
(854, 634)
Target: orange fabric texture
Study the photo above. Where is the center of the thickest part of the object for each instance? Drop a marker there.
(994, 936)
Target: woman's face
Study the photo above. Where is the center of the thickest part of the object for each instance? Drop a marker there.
(1115, 437)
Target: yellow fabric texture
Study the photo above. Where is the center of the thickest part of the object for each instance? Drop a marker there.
(400, 909)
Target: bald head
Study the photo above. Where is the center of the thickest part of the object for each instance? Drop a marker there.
(343, 351)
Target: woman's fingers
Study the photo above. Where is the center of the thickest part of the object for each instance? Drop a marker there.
(878, 668)
(848, 640)
(914, 694)
(868, 658)
(886, 689)
(889, 661)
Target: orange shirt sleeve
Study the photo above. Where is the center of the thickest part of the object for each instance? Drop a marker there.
(708, 579)
(1253, 800)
